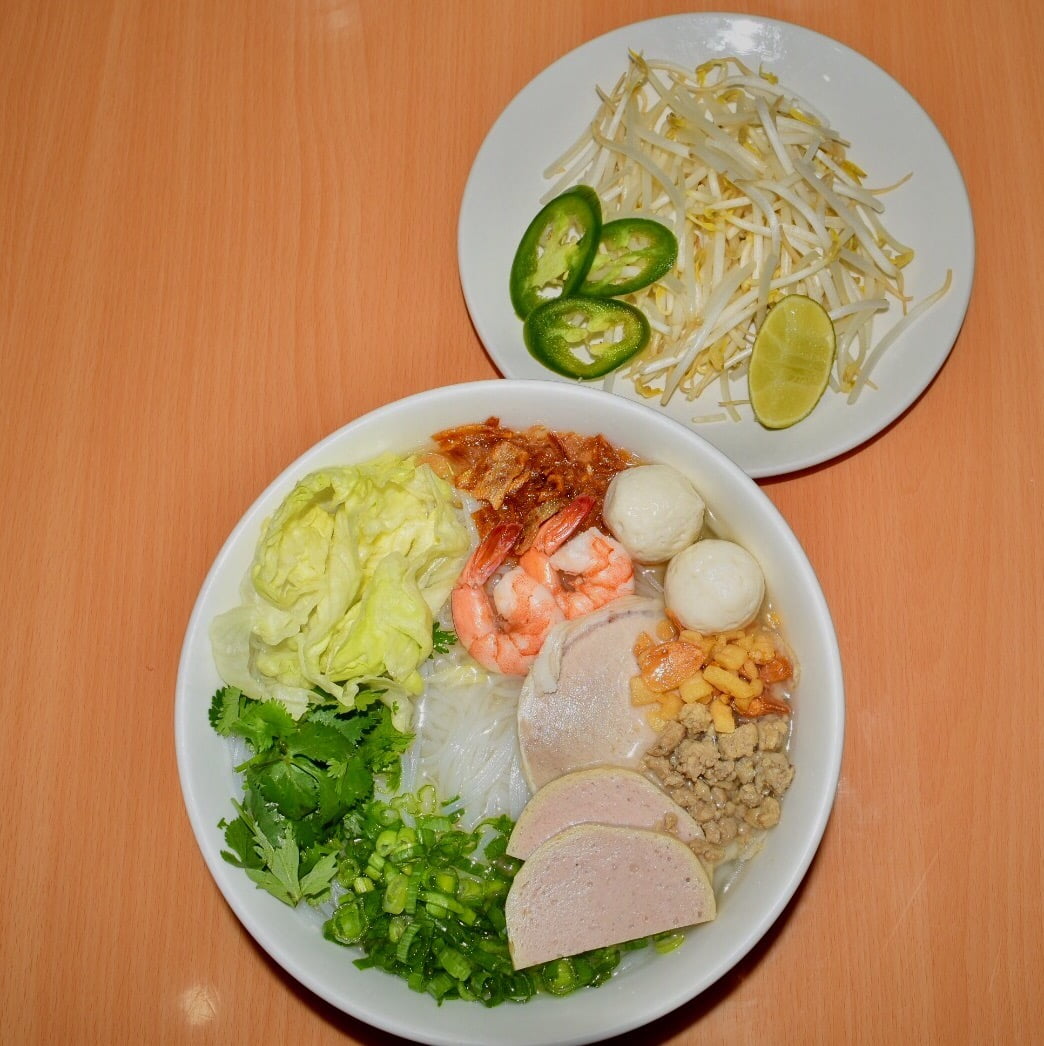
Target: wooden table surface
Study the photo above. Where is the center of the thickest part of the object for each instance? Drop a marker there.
(226, 229)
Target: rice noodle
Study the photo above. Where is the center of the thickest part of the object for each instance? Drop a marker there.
(764, 201)
(466, 740)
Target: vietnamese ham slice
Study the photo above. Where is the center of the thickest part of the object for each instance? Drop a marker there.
(596, 885)
(575, 708)
(604, 795)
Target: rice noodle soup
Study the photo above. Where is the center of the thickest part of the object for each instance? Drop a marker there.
(437, 710)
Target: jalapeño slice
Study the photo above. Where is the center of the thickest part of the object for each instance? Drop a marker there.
(631, 254)
(585, 337)
(556, 249)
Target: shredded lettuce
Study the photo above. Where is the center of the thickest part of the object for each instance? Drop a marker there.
(341, 595)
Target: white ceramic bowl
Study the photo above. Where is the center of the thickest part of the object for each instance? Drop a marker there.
(652, 988)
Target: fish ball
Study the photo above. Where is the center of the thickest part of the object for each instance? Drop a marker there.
(653, 511)
(714, 586)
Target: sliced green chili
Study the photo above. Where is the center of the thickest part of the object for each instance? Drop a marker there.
(631, 254)
(584, 337)
(556, 250)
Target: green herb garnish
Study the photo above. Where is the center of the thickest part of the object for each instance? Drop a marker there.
(304, 776)
(441, 639)
(422, 897)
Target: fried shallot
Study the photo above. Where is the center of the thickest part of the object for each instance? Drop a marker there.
(525, 476)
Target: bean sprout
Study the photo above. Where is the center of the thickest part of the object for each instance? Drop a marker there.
(763, 199)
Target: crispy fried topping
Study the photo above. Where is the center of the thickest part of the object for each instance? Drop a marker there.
(526, 475)
(730, 672)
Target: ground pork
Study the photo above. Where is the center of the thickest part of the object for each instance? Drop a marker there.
(731, 783)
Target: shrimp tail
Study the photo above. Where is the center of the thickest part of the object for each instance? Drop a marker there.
(555, 531)
(490, 555)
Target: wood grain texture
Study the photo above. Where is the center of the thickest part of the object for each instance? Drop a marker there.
(228, 229)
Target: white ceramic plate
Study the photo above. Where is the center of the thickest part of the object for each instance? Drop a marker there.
(656, 984)
(891, 136)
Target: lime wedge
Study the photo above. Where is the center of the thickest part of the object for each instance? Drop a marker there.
(791, 361)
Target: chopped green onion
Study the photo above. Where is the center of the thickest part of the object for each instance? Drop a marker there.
(445, 881)
(402, 950)
(667, 942)
(559, 977)
(396, 928)
(455, 964)
(395, 894)
(427, 903)
(347, 924)
(386, 842)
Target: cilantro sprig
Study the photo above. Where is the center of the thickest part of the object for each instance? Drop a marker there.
(304, 777)
(442, 639)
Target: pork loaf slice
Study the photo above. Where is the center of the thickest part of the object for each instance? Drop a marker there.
(604, 795)
(596, 885)
(575, 710)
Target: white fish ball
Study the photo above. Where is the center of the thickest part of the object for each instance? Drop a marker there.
(653, 511)
(714, 586)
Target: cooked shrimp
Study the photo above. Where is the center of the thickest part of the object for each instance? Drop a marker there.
(584, 573)
(553, 533)
(507, 643)
(665, 666)
(598, 570)
(766, 704)
(563, 524)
